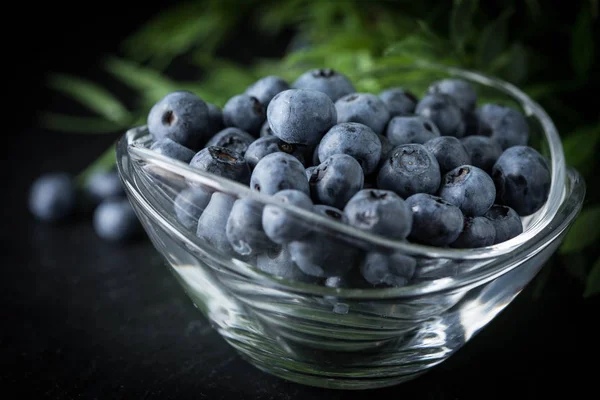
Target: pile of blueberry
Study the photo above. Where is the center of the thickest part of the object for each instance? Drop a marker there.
(55, 196)
(439, 171)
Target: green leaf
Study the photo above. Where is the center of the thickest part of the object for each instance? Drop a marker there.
(582, 43)
(492, 40)
(77, 124)
(592, 286)
(415, 47)
(92, 96)
(584, 232)
(581, 147)
(139, 77)
(516, 70)
(461, 22)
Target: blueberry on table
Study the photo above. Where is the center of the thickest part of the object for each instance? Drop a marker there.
(522, 178)
(409, 169)
(444, 112)
(483, 151)
(280, 225)
(181, 116)
(460, 90)
(381, 212)
(266, 145)
(104, 185)
(411, 129)
(399, 101)
(213, 222)
(336, 180)
(435, 221)
(321, 253)
(222, 162)
(477, 232)
(53, 196)
(301, 116)
(356, 140)
(364, 108)
(115, 220)
(233, 139)
(469, 188)
(244, 112)
(388, 270)
(506, 222)
(328, 81)
(244, 228)
(449, 152)
(215, 119)
(189, 205)
(507, 125)
(279, 171)
(266, 88)
(278, 261)
(170, 148)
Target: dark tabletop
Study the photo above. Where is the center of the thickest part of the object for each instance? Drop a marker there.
(82, 318)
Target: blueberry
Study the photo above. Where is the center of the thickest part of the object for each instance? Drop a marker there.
(244, 228)
(507, 125)
(506, 222)
(301, 116)
(386, 147)
(399, 101)
(444, 112)
(104, 185)
(282, 226)
(53, 196)
(278, 262)
(411, 129)
(244, 112)
(172, 149)
(213, 222)
(356, 140)
(364, 108)
(265, 130)
(215, 119)
(233, 139)
(381, 212)
(477, 232)
(321, 253)
(435, 221)
(474, 126)
(410, 169)
(189, 205)
(448, 151)
(522, 179)
(115, 220)
(279, 171)
(460, 90)
(388, 270)
(336, 180)
(469, 188)
(267, 145)
(483, 151)
(266, 88)
(222, 162)
(181, 116)
(328, 81)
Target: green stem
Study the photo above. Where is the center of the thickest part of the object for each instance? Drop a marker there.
(105, 162)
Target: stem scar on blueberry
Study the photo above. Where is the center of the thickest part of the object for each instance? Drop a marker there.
(377, 196)
(286, 147)
(257, 187)
(333, 214)
(324, 73)
(458, 177)
(169, 118)
(428, 126)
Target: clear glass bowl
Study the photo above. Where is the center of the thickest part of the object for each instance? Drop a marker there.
(351, 338)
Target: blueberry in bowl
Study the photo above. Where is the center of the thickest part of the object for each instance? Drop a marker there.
(368, 267)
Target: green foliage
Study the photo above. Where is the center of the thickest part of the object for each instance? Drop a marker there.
(377, 44)
(593, 283)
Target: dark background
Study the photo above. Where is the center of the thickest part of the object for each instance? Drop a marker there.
(82, 318)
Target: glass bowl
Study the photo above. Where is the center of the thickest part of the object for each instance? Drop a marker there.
(350, 338)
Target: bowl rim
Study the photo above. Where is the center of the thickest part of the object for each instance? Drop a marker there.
(135, 140)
